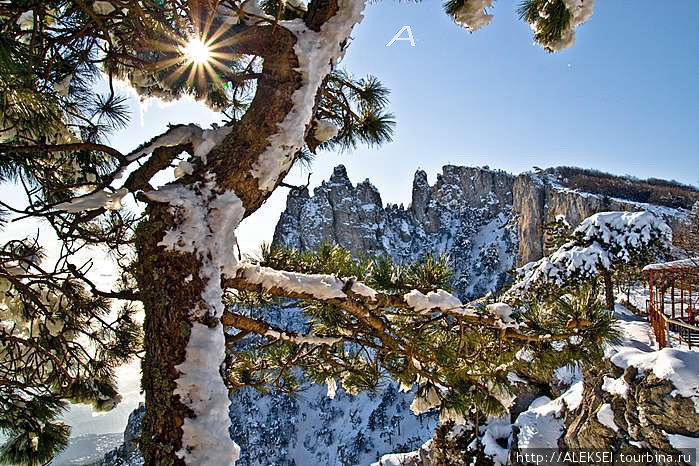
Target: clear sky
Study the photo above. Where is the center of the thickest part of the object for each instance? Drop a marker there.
(624, 99)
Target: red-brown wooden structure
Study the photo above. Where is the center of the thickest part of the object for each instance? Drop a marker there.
(673, 300)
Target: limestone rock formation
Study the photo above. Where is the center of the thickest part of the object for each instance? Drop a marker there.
(487, 221)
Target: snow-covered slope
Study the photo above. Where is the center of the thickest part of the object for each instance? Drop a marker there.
(309, 428)
(466, 214)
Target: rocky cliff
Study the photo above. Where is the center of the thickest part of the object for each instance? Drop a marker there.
(467, 214)
(486, 220)
(540, 197)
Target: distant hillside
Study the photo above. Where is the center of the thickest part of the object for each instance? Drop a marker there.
(650, 191)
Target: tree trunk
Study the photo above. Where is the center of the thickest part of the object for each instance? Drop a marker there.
(171, 283)
(608, 289)
(167, 300)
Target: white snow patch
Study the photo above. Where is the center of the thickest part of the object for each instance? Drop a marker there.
(26, 20)
(319, 286)
(681, 441)
(524, 354)
(208, 140)
(497, 428)
(205, 438)
(540, 426)
(615, 386)
(103, 8)
(316, 52)
(433, 300)
(332, 387)
(398, 459)
(573, 396)
(93, 201)
(605, 416)
(305, 339)
(567, 375)
(679, 367)
(363, 290)
(425, 402)
(472, 15)
(580, 11)
(691, 263)
(325, 130)
(174, 136)
(513, 377)
(183, 168)
(503, 312)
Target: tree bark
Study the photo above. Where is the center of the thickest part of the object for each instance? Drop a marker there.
(168, 300)
(608, 289)
(170, 281)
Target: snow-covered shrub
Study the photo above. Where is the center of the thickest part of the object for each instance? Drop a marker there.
(600, 245)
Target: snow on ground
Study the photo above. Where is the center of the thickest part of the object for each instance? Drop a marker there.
(88, 448)
(605, 416)
(542, 424)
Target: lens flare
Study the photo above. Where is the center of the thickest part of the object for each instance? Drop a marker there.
(197, 51)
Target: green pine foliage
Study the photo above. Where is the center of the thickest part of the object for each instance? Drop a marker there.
(556, 233)
(558, 18)
(433, 350)
(58, 343)
(61, 337)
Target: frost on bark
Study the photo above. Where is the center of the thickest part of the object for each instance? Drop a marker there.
(187, 275)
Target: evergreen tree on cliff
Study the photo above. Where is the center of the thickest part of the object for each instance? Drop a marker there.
(273, 69)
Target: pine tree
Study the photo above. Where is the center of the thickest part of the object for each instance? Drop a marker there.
(272, 69)
(556, 233)
(603, 245)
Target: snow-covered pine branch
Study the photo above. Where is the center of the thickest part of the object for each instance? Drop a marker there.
(348, 293)
(553, 21)
(599, 245)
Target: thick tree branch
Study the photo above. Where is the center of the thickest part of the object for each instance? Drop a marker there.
(361, 301)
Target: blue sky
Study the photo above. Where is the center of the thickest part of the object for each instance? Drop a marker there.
(624, 99)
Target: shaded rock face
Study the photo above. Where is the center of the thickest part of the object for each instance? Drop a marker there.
(643, 416)
(127, 454)
(487, 221)
(540, 197)
(466, 214)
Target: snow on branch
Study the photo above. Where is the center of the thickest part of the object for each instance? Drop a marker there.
(600, 242)
(317, 52)
(473, 15)
(540, 16)
(348, 293)
(97, 200)
(207, 229)
(318, 286)
(202, 141)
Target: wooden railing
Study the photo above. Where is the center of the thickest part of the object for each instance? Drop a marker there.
(663, 324)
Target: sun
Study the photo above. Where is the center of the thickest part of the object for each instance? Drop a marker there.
(197, 51)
